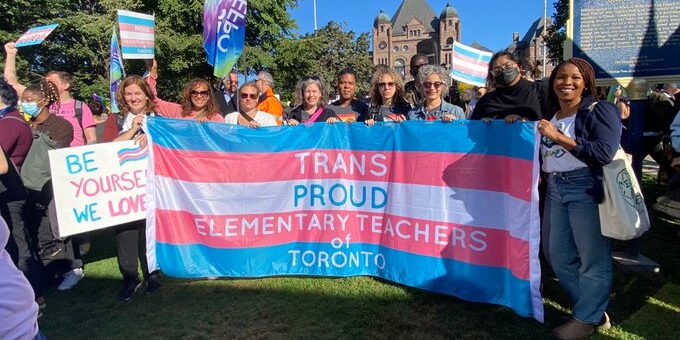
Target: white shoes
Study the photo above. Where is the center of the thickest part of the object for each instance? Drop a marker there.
(71, 279)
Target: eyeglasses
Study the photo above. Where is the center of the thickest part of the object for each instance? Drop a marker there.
(387, 84)
(252, 96)
(200, 93)
(436, 84)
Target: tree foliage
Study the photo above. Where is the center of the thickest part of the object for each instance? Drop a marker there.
(557, 31)
(80, 45)
(323, 53)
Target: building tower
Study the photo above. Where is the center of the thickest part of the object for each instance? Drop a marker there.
(449, 31)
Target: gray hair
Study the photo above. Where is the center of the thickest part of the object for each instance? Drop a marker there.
(428, 70)
(266, 76)
(323, 101)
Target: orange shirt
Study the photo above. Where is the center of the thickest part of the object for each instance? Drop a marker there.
(272, 106)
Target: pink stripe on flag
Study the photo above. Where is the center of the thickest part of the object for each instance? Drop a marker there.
(136, 28)
(479, 246)
(455, 170)
(467, 70)
(468, 59)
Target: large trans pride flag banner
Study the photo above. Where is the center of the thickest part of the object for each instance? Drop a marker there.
(445, 207)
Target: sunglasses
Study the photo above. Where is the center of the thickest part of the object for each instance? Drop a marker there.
(387, 84)
(200, 93)
(252, 96)
(436, 84)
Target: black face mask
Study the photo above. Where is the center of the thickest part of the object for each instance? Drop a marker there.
(506, 76)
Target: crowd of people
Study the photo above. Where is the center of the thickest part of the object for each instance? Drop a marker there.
(579, 134)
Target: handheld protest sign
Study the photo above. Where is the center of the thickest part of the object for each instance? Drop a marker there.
(35, 35)
(98, 186)
(137, 31)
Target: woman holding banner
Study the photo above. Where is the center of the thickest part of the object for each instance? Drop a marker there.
(198, 100)
(581, 137)
(135, 101)
(387, 98)
(313, 108)
(431, 82)
(249, 115)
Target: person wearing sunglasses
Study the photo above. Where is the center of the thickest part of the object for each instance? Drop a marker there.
(431, 82)
(387, 98)
(249, 115)
(313, 108)
(513, 97)
(197, 102)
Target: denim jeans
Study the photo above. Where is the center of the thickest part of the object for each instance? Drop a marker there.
(580, 256)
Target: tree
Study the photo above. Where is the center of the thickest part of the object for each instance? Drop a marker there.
(557, 31)
(323, 53)
(80, 45)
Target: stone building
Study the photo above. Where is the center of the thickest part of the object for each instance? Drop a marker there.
(529, 50)
(414, 29)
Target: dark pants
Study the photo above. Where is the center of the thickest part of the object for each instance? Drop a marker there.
(50, 249)
(131, 246)
(20, 246)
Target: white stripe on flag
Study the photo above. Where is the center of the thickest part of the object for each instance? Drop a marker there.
(480, 68)
(459, 206)
(136, 35)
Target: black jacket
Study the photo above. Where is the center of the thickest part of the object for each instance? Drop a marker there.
(226, 108)
(297, 114)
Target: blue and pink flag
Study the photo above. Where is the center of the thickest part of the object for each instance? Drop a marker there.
(456, 214)
(137, 34)
(116, 71)
(35, 35)
(224, 32)
(469, 64)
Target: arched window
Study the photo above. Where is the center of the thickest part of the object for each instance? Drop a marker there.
(449, 41)
(400, 66)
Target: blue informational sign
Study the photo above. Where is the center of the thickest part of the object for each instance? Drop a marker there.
(634, 38)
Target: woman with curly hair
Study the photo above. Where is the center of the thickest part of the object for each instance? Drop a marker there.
(198, 100)
(387, 98)
(431, 82)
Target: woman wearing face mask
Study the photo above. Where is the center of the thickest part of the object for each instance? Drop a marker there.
(135, 101)
(513, 97)
(198, 100)
(313, 108)
(249, 115)
(431, 82)
(387, 98)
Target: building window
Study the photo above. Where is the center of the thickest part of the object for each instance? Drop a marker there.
(449, 41)
(382, 28)
(405, 48)
(400, 66)
(395, 49)
(450, 23)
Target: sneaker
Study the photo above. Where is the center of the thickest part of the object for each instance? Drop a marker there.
(129, 289)
(152, 283)
(71, 279)
(573, 329)
(605, 323)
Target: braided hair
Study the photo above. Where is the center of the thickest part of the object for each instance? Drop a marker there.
(47, 91)
(586, 71)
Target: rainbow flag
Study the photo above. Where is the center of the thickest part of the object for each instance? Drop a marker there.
(456, 214)
(469, 65)
(224, 31)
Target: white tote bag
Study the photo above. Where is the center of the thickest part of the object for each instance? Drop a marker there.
(623, 214)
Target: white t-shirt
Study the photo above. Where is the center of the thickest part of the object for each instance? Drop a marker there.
(18, 310)
(555, 157)
(263, 118)
(127, 123)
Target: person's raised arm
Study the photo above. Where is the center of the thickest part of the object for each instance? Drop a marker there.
(11, 68)
(163, 108)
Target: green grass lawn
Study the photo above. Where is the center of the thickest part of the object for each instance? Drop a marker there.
(641, 307)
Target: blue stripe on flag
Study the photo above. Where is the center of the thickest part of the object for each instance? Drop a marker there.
(135, 21)
(492, 284)
(497, 138)
(137, 50)
(468, 77)
(471, 54)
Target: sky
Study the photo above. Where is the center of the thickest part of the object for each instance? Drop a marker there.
(489, 22)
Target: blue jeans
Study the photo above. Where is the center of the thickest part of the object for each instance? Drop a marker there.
(580, 256)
